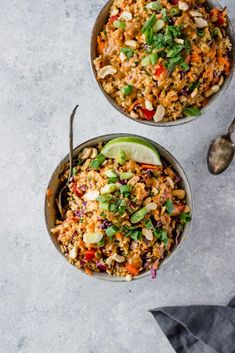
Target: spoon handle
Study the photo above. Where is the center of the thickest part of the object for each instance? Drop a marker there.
(232, 127)
(71, 141)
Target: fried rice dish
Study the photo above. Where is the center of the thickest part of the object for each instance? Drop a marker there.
(122, 217)
(163, 60)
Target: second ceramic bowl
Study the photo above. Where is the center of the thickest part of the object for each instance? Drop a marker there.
(98, 26)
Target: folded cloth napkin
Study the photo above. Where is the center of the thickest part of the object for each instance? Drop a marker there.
(199, 328)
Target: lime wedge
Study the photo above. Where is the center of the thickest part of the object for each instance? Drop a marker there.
(135, 148)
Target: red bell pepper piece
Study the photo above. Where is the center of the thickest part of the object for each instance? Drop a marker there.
(159, 69)
(148, 114)
(174, 2)
(76, 191)
(113, 18)
(220, 20)
(90, 254)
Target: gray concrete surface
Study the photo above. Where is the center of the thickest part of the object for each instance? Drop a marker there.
(46, 305)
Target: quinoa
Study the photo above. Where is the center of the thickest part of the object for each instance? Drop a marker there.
(163, 60)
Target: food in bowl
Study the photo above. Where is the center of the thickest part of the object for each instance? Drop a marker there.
(125, 209)
(162, 60)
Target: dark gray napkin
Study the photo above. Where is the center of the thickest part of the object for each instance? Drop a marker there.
(199, 328)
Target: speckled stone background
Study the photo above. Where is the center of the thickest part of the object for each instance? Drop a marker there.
(47, 306)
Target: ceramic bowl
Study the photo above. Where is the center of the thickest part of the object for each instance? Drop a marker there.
(98, 26)
(51, 211)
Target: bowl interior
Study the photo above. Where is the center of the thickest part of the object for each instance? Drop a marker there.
(98, 26)
(54, 186)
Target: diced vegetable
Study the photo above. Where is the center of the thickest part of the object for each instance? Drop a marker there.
(169, 206)
(128, 52)
(126, 175)
(192, 111)
(125, 190)
(148, 114)
(153, 58)
(127, 90)
(185, 218)
(111, 231)
(92, 238)
(154, 5)
(139, 215)
(149, 23)
(159, 69)
(174, 11)
(146, 61)
(119, 24)
(90, 254)
(109, 188)
(132, 269)
(110, 173)
(158, 25)
(97, 162)
(149, 166)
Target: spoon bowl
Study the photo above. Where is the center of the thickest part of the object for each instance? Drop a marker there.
(221, 152)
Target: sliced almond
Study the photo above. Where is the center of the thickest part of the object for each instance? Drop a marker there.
(170, 182)
(122, 57)
(134, 115)
(187, 209)
(179, 41)
(148, 104)
(147, 200)
(132, 43)
(133, 180)
(195, 14)
(127, 16)
(151, 206)
(221, 81)
(86, 152)
(74, 252)
(91, 195)
(118, 258)
(183, 6)
(147, 233)
(93, 153)
(109, 260)
(179, 193)
(194, 93)
(114, 11)
(214, 89)
(200, 22)
(106, 71)
(128, 278)
(155, 191)
(160, 112)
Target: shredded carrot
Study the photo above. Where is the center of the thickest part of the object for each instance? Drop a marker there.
(101, 45)
(132, 270)
(149, 166)
(132, 106)
(88, 271)
(225, 63)
(119, 236)
(195, 58)
(212, 54)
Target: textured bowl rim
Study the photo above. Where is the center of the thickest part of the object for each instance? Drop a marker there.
(91, 142)
(101, 18)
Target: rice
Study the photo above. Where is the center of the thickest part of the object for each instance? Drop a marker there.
(160, 52)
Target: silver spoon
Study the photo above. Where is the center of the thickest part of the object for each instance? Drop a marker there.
(64, 190)
(221, 152)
